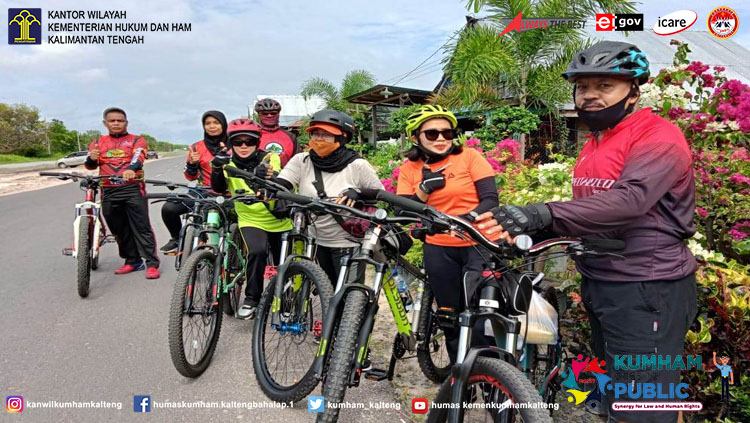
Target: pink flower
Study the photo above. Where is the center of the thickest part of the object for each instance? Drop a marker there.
(701, 211)
(472, 142)
(719, 68)
(739, 179)
(721, 170)
(708, 80)
(496, 166)
(395, 173)
(697, 68)
(740, 230)
(388, 185)
(675, 113)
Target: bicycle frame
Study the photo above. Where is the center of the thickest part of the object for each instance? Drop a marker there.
(90, 207)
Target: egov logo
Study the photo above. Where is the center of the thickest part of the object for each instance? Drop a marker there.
(24, 26)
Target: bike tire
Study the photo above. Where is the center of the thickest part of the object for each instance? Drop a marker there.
(83, 257)
(186, 284)
(187, 247)
(343, 355)
(428, 325)
(273, 389)
(501, 375)
(231, 301)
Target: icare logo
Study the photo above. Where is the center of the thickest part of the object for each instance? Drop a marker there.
(14, 404)
(619, 21)
(675, 22)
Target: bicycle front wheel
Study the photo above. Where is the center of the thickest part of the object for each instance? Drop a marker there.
(284, 352)
(194, 322)
(83, 256)
(493, 388)
(432, 353)
(343, 354)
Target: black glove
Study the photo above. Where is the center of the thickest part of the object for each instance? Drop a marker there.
(220, 160)
(351, 193)
(261, 170)
(527, 220)
(431, 181)
(418, 232)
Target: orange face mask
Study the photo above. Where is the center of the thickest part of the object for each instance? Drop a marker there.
(323, 148)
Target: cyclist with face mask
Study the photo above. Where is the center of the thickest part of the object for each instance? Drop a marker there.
(633, 181)
(341, 172)
(454, 180)
(274, 139)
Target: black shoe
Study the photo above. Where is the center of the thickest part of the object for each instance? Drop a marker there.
(367, 364)
(170, 247)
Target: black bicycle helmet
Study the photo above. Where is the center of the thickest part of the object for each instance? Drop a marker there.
(339, 119)
(610, 58)
(267, 105)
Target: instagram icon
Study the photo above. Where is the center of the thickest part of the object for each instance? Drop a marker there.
(14, 404)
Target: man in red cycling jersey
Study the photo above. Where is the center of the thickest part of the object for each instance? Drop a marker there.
(273, 139)
(124, 204)
(633, 181)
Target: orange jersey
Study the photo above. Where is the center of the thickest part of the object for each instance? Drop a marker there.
(459, 196)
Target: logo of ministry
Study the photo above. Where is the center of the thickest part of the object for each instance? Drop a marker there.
(572, 377)
(24, 26)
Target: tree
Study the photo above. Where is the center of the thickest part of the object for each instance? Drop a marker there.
(354, 81)
(486, 68)
(21, 131)
(61, 139)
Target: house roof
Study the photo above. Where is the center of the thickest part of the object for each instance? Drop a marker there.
(293, 107)
(375, 95)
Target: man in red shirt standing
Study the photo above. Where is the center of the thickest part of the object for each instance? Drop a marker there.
(124, 204)
(632, 181)
(273, 139)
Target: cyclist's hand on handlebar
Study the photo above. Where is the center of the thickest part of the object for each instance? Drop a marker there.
(515, 220)
(94, 154)
(128, 175)
(345, 200)
(264, 169)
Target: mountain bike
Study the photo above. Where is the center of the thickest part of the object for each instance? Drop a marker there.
(89, 230)
(192, 221)
(207, 280)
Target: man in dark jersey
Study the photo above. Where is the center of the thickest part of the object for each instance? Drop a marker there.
(124, 205)
(632, 181)
(273, 139)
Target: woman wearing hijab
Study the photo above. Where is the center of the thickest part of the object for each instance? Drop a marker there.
(197, 167)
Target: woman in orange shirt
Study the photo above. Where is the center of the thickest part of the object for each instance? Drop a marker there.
(454, 180)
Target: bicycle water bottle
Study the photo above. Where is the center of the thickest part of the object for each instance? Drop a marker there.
(213, 222)
(403, 289)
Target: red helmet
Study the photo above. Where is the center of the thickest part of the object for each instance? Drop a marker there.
(243, 126)
(267, 105)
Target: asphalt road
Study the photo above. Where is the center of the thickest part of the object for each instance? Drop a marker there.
(113, 345)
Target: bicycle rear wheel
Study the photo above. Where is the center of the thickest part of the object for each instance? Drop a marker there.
(432, 353)
(492, 389)
(233, 299)
(283, 353)
(83, 256)
(194, 322)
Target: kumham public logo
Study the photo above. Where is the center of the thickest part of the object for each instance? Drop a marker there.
(521, 24)
(24, 26)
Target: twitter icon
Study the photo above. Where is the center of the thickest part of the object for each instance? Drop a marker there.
(316, 404)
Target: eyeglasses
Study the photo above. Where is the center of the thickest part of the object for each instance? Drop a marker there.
(248, 142)
(322, 135)
(432, 134)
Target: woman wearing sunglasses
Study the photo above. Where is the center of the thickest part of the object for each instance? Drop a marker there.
(258, 226)
(454, 180)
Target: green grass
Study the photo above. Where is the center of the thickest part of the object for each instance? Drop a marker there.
(13, 158)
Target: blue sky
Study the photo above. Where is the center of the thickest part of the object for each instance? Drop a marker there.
(237, 50)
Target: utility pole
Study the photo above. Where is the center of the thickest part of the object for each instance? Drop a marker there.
(78, 140)
(46, 137)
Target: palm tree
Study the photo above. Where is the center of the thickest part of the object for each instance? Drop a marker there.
(354, 81)
(486, 69)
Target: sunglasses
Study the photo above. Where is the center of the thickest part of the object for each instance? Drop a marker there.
(251, 142)
(432, 134)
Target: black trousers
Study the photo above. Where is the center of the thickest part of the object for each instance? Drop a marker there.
(445, 267)
(329, 260)
(256, 250)
(126, 211)
(725, 389)
(635, 319)
(170, 214)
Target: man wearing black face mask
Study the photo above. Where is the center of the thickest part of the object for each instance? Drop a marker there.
(632, 181)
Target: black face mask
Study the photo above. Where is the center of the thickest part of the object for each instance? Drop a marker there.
(608, 117)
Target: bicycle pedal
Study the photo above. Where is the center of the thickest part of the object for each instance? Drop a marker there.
(67, 251)
(376, 374)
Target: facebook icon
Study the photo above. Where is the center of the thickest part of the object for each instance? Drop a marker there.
(142, 403)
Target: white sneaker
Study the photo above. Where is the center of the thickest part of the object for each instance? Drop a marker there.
(246, 312)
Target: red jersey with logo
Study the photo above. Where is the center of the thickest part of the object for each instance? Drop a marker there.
(118, 154)
(203, 175)
(279, 142)
(635, 184)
